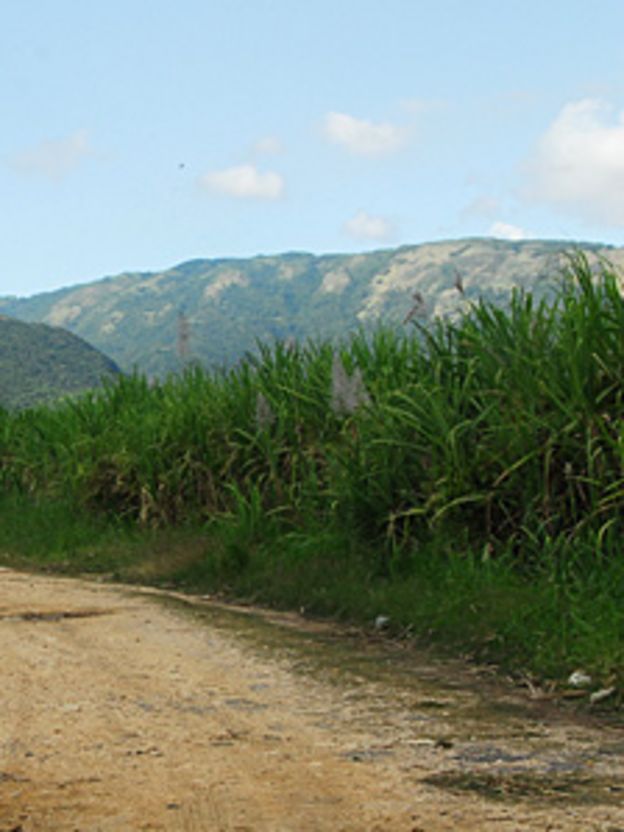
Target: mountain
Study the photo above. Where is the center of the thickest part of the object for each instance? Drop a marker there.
(39, 363)
(213, 311)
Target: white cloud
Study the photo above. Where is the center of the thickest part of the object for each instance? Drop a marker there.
(507, 231)
(578, 163)
(364, 226)
(244, 182)
(54, 158)
(365, 138)
(268, 146)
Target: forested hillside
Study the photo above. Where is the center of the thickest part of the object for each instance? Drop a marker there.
(40, 363)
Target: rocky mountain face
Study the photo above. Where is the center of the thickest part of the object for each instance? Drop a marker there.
(213, 311)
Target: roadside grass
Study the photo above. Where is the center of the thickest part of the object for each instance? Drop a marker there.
(54, 533)
(486, 611)
(464, 480)
(60, 536)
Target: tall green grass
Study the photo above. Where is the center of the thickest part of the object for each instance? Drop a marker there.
(482, 457)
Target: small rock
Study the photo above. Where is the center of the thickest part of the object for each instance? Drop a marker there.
(381, 622)
(579, 679)
(599, 695)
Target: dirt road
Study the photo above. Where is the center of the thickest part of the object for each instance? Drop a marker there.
(123, 711)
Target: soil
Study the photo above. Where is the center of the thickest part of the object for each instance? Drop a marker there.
(126, 709)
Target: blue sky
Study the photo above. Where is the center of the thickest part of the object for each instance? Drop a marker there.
(139, 134)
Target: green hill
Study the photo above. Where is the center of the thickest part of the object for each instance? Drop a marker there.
(213, 311)
(39, 363)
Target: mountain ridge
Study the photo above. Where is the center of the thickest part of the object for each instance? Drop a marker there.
(214, 310)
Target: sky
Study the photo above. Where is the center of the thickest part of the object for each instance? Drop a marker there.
(138, 134)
